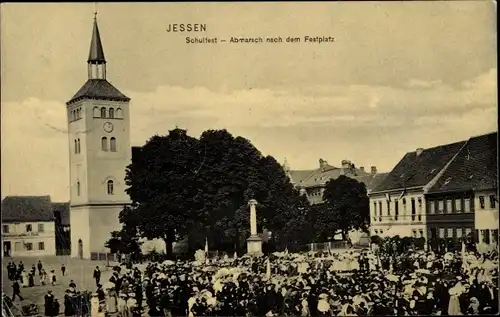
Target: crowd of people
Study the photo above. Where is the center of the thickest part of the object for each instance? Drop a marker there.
(351, 283)
(348, 283)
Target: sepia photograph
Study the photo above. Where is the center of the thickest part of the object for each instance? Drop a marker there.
(249, 159)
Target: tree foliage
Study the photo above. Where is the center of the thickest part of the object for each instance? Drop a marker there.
(181, 186)
(126, 241)
(161, 187)
(345, 207)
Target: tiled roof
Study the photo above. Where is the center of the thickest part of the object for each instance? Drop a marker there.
(100, 89)
(376, 180)
(475, 166)
(27, 209)
(297, 177)
(418, 170)
(320, 176)
(63, 210)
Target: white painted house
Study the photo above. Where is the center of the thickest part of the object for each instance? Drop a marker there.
(28, 226)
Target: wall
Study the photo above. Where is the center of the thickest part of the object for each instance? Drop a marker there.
(450, 215)
(382, 216)
(18, 237)
(103, 220)
(102, 165)
(93, 167)
(80, 229)
(486, 215)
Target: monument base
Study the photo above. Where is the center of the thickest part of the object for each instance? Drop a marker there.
(254, 246)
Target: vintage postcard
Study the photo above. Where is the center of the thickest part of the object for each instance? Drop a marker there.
(249, 159)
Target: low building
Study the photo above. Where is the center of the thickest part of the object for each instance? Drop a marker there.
(397, 204)
(465, 198)
(312, 182)
(28, 226)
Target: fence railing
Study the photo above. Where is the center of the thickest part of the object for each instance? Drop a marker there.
(325, 246)
(105, 257)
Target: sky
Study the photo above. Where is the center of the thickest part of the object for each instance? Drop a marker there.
(399, 76)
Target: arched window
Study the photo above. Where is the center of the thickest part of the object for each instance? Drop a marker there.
(111, 187)
(111, 113)
(112, 144)
(103, 112)
(96, 112)
(104, 144)
(78, 188)
(78, 145)
(119, 113)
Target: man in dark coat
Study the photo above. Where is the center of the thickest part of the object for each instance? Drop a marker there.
(97, 275)
(40, 267)
(49, 303)
(16, 290)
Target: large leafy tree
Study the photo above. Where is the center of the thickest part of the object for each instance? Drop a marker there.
(200, 189)
(345, 207)
(162, 186)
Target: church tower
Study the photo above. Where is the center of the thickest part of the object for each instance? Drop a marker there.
(99, 143)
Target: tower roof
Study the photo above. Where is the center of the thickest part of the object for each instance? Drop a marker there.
(96, 53)
(98, 89)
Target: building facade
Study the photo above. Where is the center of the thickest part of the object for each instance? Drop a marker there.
(312, 182)
(398, 203)
(452, 191)
(464, 200)
(28, 226)
(100, 151)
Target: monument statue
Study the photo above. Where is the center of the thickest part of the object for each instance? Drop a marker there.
(254, 242)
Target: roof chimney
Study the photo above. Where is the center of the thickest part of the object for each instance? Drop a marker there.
(346, 164)
(419, 151)
(362, 169)
(322, 163)
(374, 170)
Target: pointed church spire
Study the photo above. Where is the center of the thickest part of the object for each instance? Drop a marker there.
(96, 61)
(96, 54)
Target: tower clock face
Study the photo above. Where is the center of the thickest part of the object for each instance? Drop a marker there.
(108, 127)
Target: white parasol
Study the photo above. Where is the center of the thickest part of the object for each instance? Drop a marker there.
(168, 262)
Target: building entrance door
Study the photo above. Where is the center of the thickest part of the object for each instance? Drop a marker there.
(80, 249)
(7, 248)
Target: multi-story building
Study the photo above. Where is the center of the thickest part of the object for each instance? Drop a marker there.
(28, 226)
(99, 145)
(312, 182)
(445, 191)
(465, 198)
(397, 204)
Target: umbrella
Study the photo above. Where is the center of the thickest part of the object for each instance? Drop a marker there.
(448, 256)
(392, 278)
(423, 271)
(488, 265)
(168, 262)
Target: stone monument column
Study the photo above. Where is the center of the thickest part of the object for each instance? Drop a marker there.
(254, 242)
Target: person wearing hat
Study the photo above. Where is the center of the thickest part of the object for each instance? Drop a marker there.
(49, 303)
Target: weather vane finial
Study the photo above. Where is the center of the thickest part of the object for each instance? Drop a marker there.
(95, 10)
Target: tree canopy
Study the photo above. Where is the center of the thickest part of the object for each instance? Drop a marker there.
(181, 186)
(345, 207)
